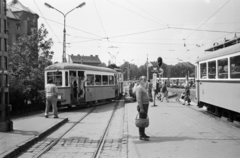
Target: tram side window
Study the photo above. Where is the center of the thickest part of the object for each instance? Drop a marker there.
(105, 80)
(56, 77)
(111, 80)
(212, 69)
(66, 78)
(235, 67)
(223, 68)
(115, 76)
(203, 69)
(90, 79)
(98, 79)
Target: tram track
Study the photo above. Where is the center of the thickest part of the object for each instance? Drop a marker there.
(58, 140)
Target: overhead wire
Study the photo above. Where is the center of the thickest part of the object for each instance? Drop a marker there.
(100, 20)
(207, 19)
(134, 12)
(46, 21)
(147, 12)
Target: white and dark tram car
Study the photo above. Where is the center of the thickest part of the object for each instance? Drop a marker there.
(218, 80)
(83, 85)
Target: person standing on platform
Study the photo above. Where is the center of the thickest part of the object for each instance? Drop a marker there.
(143, 103)
(187, 94)
(51, 98)
(164, 92)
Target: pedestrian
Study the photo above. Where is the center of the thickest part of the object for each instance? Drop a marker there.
(164, 92)
(51, 98)
(187, 94)
(150, 85)
(159, 88)
(136, 84)
(142, 105)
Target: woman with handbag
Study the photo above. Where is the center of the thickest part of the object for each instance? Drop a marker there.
(143, 103)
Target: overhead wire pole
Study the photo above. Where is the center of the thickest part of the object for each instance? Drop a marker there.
(64, 59)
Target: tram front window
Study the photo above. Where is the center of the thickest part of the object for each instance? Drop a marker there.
(56, 77)
(203, 72)
(111, 81)
(235, 67)
(212, 69)
(223, 68)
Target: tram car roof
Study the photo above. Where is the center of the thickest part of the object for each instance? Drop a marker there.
(221, 52)
(73, 66)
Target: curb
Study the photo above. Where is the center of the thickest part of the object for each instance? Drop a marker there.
(26, 144)
(124, 153)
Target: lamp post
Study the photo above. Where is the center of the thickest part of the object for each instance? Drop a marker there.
(64, 59)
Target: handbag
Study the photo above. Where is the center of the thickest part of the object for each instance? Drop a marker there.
(140, 122)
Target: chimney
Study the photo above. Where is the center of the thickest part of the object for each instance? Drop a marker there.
(78, 54)
(96, 55)
(15, 1)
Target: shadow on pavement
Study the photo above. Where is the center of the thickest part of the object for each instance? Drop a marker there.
(162, 139)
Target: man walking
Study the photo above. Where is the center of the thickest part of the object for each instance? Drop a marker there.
(51, 98)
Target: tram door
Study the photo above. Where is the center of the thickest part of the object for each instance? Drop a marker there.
(77, 86)
(81, 87)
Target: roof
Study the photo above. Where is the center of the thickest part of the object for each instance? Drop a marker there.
(11, 15)
(73, 66)
(221, 52)
(17, 6)
(227, 43)
(85, 59)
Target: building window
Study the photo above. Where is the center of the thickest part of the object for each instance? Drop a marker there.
(5, 26)
(5, 63)
(18, 26)
(4, 7)
(5, 45)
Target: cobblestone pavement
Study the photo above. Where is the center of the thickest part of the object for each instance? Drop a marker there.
(81, 141)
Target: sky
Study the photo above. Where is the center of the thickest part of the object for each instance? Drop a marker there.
(134, 30)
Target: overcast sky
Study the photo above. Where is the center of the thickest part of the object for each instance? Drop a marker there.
(133, 29)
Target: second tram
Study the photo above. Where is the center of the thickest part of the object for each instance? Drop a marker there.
(218, 80)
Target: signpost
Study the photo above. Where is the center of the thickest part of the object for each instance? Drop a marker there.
(154, 87)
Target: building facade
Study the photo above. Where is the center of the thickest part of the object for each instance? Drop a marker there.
(87, 60)
(21, 20)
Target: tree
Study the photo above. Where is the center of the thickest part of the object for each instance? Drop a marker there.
(27, 61)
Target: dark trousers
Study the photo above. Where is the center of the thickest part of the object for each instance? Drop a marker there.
(143, 115)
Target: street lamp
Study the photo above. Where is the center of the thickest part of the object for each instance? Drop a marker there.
(64, 59)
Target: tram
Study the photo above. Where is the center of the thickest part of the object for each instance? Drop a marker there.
(178, 82)
(83, 85)
(218, 80)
